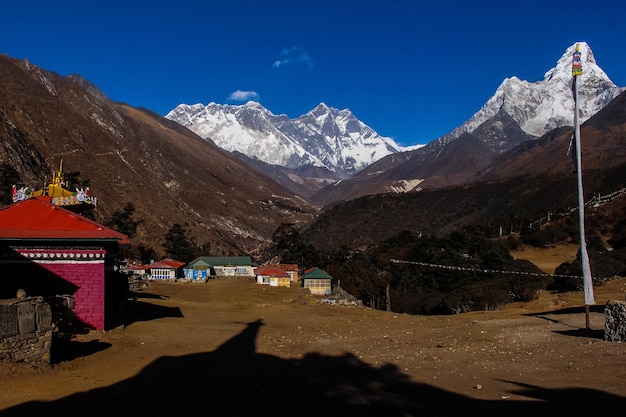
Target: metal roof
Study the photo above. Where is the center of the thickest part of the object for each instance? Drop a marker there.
(38, 219)
(316, 273)
(223, 260)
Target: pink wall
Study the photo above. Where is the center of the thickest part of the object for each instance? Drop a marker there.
(84, 269)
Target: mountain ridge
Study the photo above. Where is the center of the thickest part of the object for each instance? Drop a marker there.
(323, 137)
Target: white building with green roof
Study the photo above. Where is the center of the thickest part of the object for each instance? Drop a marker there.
(206, 267)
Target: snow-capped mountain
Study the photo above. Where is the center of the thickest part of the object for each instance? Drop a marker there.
(323, 137)
(541, 106)
(518, 112)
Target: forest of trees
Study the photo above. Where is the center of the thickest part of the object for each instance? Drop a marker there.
(485, 276)
(464, 271)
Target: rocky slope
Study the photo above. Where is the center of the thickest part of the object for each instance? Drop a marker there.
(133, 155)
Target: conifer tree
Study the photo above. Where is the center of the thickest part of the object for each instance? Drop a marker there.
(177, 246)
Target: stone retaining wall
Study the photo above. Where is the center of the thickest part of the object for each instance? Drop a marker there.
(26, 331)
(615, 321)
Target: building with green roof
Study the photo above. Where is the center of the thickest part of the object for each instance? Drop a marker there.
(318, 281)
(206, 267)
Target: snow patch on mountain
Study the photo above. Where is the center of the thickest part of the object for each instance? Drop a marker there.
(405, 186)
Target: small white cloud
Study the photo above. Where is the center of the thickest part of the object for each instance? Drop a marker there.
(294, 56)
(241, 95)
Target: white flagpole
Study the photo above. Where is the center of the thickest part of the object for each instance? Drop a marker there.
(586, 269)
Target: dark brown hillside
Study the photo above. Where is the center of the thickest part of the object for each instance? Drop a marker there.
(613, 116)
(603, 146)
(451, 165)
(520, 186)
(302, 181)
(131, 155)
(461, 160)
(532, 157)
(456, 163)
(511, 203)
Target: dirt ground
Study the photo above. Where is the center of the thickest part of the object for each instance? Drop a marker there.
(547, 259)
(236, 348)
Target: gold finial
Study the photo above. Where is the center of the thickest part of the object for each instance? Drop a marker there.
(57, 177)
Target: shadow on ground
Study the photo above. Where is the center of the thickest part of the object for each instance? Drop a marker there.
(66, 350)
(136, 310)
(574, 331)
(235, 380)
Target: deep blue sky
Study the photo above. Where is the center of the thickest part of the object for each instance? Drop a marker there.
(409, 70)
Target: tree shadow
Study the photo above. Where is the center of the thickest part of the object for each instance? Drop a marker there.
(236, 380)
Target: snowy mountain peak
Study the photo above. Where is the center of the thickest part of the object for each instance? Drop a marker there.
(322, 107)
(323, 137)
(541, 106)
(253, 104)
(562, 72)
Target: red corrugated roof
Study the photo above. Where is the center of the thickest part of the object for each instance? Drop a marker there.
(285, 267)
(273, 272)
(38, 218)
(166, 263)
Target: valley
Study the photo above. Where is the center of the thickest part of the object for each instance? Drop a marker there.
(461, 249)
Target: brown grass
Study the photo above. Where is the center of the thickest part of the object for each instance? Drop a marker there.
(547, 259)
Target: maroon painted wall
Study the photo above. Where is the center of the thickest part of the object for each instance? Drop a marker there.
(78, 272)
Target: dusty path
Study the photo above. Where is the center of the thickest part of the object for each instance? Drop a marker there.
(236, 348)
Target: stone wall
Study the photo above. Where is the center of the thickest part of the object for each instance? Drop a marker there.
(615, 321)
(25, 331)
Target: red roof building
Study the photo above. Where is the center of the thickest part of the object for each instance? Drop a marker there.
(291, 269)
(37, 218)
(273, 276)
(168, 269)
(47, 250)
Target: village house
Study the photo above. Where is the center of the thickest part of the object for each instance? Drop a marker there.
(198, 270)
(231, 266)
(204, 268)
(317, 281)
(290, 269)
(166, 269)
(47, 250)
(273, 277)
